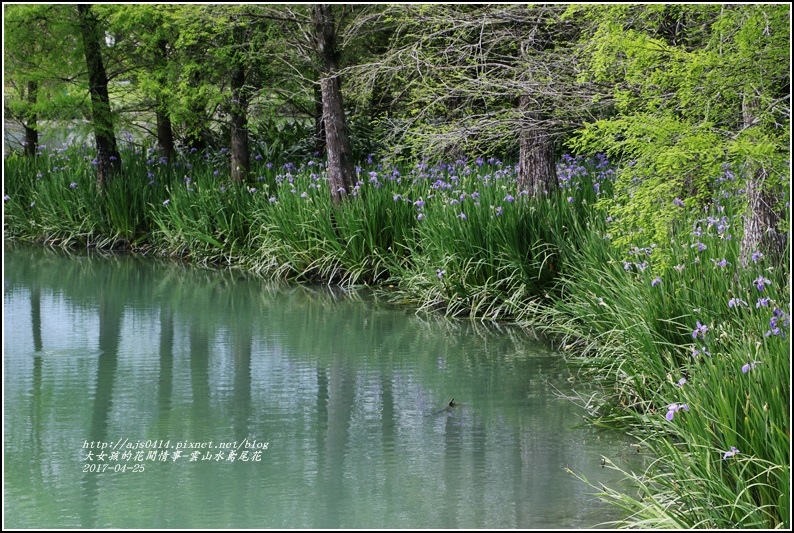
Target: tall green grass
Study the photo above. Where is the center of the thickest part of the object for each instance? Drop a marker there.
(53, 198)
(658, 326)
(679, 324)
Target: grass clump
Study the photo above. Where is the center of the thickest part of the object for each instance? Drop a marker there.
(692, 353)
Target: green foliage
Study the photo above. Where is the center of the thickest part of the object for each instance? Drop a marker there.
(28, 31)
(452, 76)
(684, 79)
(54, 198)
(202, 219)
(173, 60)
(622, 268)
(281, 140)
(643, 321)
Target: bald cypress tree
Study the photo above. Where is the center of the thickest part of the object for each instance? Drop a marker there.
(107, 155)
(337, 142)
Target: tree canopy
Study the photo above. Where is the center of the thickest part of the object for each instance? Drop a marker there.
(677, 95)
(700, 92)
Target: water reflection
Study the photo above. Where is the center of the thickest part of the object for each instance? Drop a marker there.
(340, 389)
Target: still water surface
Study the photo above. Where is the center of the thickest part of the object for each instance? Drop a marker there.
(343, 392)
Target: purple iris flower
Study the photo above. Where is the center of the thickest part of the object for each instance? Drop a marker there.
(704, 351)
(700, 331)
(779, 318)
(734, 451)
(760, 281)
(673, 408)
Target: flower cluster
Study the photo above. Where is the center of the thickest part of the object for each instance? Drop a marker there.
(779, 320)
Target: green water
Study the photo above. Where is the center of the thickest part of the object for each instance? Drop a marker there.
(291, 408)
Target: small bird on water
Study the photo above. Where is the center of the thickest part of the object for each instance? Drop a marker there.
(452, 403)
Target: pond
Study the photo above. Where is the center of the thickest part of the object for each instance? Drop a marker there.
(148, 395)
(51, 134)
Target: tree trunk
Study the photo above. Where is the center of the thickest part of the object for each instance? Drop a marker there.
(340, 158)
(107, 156)
(537, 171)
(761, 222)
(31, 125)
(165, 135)
(763, 217)
(165, 130)
(239, 119)
(319, 125)
(238, 112)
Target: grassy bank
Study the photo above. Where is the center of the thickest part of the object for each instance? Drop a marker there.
(691, 350)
